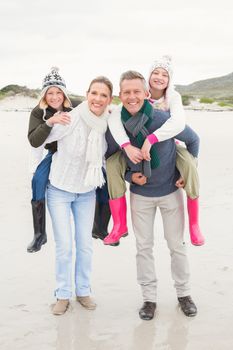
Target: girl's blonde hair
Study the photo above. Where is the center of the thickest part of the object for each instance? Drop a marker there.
(43, 104)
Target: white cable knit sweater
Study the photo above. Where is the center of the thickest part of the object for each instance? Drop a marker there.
(69, 166)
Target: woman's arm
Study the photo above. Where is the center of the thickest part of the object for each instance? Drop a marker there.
(58, 131)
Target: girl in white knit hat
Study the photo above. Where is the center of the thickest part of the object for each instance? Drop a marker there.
(162, 96)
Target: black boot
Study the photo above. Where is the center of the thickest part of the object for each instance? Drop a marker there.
(101, 221)
(40, 237)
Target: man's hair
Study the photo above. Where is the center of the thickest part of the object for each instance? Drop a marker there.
(104, 80)
(131, 75)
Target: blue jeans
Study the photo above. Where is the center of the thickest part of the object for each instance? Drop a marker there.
(82, 205)
(40, 178)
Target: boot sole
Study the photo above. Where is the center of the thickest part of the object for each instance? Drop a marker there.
(198, 244)
(36, 250)
(114, 244)
(98, 237)
(125, 234)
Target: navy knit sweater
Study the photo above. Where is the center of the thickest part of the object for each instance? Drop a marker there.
(163, 178)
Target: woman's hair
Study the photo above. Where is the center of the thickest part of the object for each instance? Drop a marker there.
(131, 75)
(104, 80)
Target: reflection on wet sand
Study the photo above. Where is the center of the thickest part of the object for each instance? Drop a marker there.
(82, 329)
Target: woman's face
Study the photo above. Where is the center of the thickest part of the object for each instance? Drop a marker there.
(54, 97)
(159, 79)
(98, 98)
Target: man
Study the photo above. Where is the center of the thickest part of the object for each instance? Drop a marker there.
(152, 186)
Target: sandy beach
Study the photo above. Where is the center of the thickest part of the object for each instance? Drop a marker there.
(27, 280)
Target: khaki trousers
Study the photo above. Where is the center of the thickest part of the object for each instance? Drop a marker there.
(116, 167)
(186, 164)
(143, 210)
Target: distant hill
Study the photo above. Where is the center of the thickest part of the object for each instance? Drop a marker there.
(17, 90)
(217, 88)
(12, 90)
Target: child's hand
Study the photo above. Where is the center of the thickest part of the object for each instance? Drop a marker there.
(133, 153)
(146, 150)
(139, 179)
(180, 183)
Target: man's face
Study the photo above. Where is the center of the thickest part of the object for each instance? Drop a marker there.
(133, 94)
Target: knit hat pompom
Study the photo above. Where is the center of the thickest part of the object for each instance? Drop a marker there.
(53, 79)
(164, 62)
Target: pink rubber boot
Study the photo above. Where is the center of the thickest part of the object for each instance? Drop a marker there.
(194, 229)
(119, 215)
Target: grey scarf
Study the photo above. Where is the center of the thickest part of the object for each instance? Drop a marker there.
(135, 125)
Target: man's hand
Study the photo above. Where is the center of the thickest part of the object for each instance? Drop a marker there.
(180, 183)
(139, 179)
(146, 150)
(134, 154)
(62, 118)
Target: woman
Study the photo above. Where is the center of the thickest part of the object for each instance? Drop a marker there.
(76, 171)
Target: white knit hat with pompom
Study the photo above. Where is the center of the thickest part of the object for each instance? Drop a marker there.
(164, 62)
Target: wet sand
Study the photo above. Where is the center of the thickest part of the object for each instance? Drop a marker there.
(27, 280)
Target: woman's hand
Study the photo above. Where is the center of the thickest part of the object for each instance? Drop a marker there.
(62, 118)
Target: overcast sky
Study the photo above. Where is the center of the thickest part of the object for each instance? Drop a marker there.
(89, 38)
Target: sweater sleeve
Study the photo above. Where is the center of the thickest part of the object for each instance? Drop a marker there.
(38, 130)
(116, 127)
(176, 123)
(59, 131)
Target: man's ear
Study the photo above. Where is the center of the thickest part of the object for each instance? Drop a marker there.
(147, 94)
